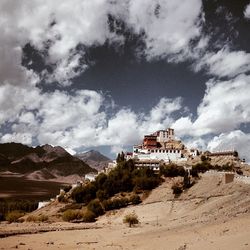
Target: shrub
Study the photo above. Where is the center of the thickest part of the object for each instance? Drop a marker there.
(101, 195)
(203, 158)
(89, 216)
(34, 218)
(177, 189)
(31, 218)
(13, 216)
(62, 199)
(95, 207)
(135, 199)
(67, 188)
(194, 172)
(70, 206)
(79, 215)
(202, 167)
(71, 215)
(145, 183)
(172, 170)
(227, 167)
(239, 171)
(131, 219)
(115, 203)
(43, 218)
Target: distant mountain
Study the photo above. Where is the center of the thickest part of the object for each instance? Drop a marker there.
(94, 159)
(45, 162)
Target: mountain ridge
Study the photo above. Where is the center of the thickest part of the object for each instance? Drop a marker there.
(55, 161)
(94, 159)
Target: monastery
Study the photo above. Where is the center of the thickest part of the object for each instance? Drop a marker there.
(160, 147)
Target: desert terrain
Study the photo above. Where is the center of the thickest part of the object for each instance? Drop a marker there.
(210, 215)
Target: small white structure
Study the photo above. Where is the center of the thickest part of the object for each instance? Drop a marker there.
(90, 176)
(193, 152)
(77, 184)
(167, 155)
(110, 167)
(152, 164)
(42, 204)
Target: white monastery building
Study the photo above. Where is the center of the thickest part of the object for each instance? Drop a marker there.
(160, 147)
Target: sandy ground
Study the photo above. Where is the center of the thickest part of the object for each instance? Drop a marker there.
(211, 215)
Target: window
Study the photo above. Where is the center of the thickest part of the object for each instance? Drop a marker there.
(152, 151)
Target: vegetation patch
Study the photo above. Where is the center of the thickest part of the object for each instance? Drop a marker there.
(172, 170)
(124, 178)
(71, 206)
(177, 189)
(131, 219)
(205, 166)
(78, 216)
(96, 207)
(115, 203)
(71, 215)
(39, 218)
(23, 206)
(135, 199)
(14, 216)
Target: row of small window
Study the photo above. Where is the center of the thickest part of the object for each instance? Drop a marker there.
(164, 151)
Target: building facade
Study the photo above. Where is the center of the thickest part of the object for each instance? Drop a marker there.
(160, 146)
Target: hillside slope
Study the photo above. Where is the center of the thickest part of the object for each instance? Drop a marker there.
(42, 162)
(94, 159)
(210, 215)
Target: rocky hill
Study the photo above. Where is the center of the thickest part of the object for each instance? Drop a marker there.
(42, 162)
(94, 159)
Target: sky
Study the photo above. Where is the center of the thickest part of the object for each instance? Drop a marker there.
(100, 74)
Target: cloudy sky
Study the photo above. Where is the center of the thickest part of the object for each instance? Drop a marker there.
(102, 73)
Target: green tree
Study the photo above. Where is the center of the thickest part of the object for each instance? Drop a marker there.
(96, 207)
(84, 194)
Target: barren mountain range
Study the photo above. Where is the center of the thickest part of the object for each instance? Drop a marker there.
(94, 159)
(42, 162)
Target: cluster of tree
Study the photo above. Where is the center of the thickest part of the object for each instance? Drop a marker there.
(8, 206)
(124, 178)
(120, 157)
(205, 166)
(99, 195)
(172, 170)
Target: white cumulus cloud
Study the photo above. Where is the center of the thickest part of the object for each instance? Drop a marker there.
(225, 63)
(169, 26)
(224, 107)
(247, 11)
